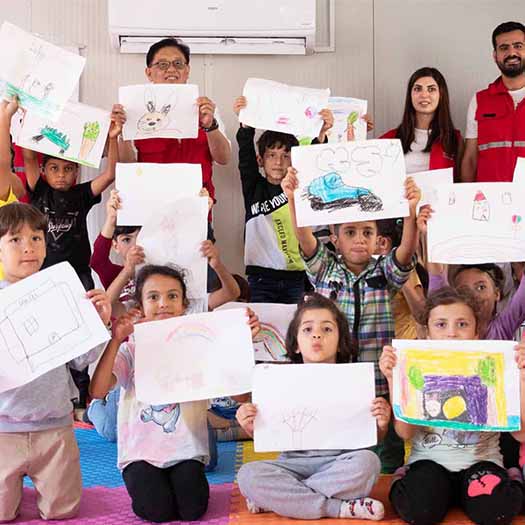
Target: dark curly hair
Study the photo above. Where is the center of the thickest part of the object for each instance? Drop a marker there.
(156, 269)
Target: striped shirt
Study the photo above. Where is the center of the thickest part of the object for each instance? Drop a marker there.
(365, 299)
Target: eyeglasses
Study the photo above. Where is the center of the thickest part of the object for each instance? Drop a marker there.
(164, 65)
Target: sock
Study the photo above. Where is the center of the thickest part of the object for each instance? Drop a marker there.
(362, 508)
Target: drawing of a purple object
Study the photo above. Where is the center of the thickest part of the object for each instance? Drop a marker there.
(438, 389)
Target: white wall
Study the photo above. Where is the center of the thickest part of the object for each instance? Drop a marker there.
(379, 43)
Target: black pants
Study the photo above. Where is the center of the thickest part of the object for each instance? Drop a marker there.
(180, 492)
(484, 492)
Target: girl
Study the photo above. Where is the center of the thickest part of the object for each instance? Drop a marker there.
(162, 449)
(427, 132)
(447, 467)
(316, 483)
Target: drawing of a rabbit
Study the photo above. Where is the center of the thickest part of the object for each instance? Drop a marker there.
(153, 120)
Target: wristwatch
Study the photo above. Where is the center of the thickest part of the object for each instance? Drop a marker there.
(213, 126)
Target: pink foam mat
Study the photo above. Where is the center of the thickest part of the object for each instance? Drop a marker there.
(112, 506)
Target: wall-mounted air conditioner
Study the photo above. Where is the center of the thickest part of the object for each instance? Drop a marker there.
(215, 26)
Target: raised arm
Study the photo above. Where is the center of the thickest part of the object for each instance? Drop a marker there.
(219, 145)
(409, 239)
(305, 236)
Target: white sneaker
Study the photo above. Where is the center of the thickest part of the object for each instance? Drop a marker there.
(362, 508)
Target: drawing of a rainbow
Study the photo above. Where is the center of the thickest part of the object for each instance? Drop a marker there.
(191, 330)
(272, 340)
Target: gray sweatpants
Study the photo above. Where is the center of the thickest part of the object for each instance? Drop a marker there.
(309, 487)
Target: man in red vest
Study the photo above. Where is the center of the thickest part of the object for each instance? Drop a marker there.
(495, 134)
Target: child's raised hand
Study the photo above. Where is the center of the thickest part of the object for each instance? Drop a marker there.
(101, 302)
(238, 104)
(9, 107)
(382, 412)
(425, 213)
(328, 119)
(387, 361)
(112, 205)
(211, 252)
(369, 122)
(118, 118)
(245, 416)
(290, 183)
(206, 111)
(134, 256)
(123, 326)
(520, 357)
(205, 193)
(412, 194)
(253, 322)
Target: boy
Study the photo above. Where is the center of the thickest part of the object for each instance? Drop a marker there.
(36, 434)
(66, 204)
(274, 266)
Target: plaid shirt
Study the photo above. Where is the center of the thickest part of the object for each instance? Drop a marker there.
(364, 299)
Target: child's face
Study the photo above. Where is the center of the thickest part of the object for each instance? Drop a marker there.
(60, 174)
(318, 336)
(173, 74)
(482, 286)
(275, 162)
(124, 242)
(22, 253)
(452, 321)
(162, 297)
(356, 241)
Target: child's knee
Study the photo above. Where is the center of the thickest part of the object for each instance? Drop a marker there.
(252, 475)
(368, 462)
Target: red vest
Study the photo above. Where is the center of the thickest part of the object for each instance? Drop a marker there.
(501, 133)
(191, 151)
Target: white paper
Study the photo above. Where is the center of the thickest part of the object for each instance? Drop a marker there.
(461, 385)
(477, 223)
(174, 235)
(193, 357)
(145, 188)
(46, 320)
(348, 124)
(314, 407)
(428, 181)
(356, 181)
(160, 110)
(519, 170)
(269, 343)
(78, 135)
(279, 107)
(42, 75)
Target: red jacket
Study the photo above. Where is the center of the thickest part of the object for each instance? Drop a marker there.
(501, 133)
(191, 151)
(438, 158)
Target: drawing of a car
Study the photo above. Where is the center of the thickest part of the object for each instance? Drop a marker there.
(329, 192)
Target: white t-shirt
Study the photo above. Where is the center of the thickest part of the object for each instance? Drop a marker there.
(416, 160)
(472, 124)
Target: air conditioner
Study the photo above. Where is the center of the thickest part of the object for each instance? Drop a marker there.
(275, 27)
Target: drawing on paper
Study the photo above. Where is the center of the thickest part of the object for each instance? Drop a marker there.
(272, 340)
(155, 120)
(298, 420)
(89, 139)
(330, 192)
(506, 198)
(196, 330)
(480, 207)
(27, 333)
(55, 137)
(456, 390)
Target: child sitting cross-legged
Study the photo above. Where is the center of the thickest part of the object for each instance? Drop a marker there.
(463, 468)
(314, 484)
(36, 432)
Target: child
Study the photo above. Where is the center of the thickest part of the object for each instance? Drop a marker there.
(36, 434)
(316, 483)
(274, 266)
(162, 449)
(458, 468)
(66, 204)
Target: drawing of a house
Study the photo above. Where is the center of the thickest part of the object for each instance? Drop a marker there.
(480, 207)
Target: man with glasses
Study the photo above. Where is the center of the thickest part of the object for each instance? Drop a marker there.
(495, 134)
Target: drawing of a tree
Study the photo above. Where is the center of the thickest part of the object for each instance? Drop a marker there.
(487, 371)
(297, 420)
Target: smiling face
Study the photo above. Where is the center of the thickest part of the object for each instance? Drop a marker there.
(162, 297)
(22, 252)
(509, 53)
(275, 162)
(425, 95)
(173, 74)
(318, 336)
(60, 174)
(452, 321)
(356, 242)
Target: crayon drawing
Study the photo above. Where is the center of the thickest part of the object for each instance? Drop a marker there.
(348, 124)
(450, 388)
(477, 223)
(160, 110)
(79, 135)
(42, 75)
(355, 181)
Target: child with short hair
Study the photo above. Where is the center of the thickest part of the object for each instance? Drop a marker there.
(274, 266)
(314, 484)
(462, 468)
(162, 449)
(36, 433)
